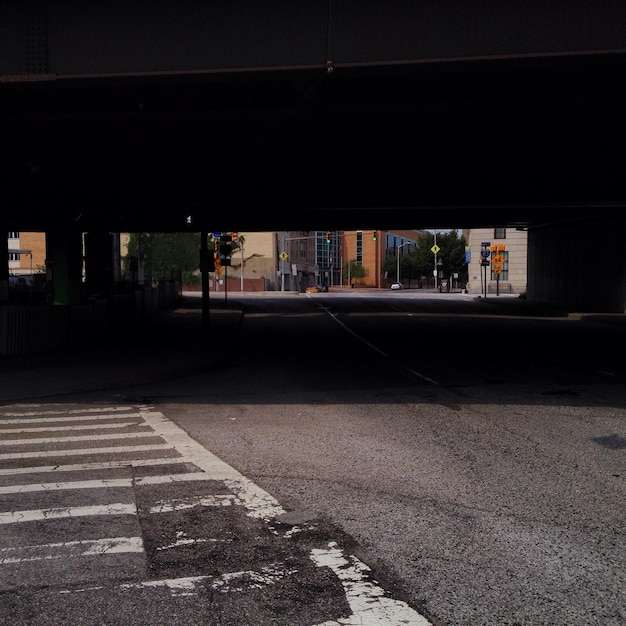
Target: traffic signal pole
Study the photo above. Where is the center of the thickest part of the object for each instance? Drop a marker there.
(204, 271)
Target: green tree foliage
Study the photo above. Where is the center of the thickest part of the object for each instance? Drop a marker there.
(420, 261)
(451, 254)
(354, 270)
(166, 255)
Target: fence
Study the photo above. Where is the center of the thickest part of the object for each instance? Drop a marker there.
(32, 329)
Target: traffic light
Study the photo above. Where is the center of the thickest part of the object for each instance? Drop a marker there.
(207, 261)
(234, 236)
(374, 238)
(327, 237)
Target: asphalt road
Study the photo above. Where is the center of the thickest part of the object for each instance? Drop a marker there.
(464, 459)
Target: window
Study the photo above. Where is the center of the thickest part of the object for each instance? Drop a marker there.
(499, 233)
(359, 246)
(14, 235)
(14, 256)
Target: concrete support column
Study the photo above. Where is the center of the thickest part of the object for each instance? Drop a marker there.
(99, 263)
(64, 263)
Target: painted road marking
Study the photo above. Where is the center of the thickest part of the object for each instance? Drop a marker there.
(88, 467)
(368, 601)
(35, 515)
(82, 412)
(82, 451)
(64, 419)
(107, 483)
(68, 549)
(49, 429)
(373, 347)
(108, 437)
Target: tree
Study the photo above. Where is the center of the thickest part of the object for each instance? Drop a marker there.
(164, 255)
(420, 261)
(354, 269)
(451, 254)
(408, 267)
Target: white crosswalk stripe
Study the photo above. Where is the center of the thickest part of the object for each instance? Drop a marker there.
(125, 473)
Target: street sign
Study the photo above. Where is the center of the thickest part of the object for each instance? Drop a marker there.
(435, 249)
(485, 254)
(282, 256)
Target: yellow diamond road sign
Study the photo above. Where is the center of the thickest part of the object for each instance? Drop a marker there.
(435, 249)
(283, 256)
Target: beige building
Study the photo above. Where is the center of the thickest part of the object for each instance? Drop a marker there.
(253, 263)
(506, 271)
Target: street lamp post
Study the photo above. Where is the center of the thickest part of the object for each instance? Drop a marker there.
(242, 263)
(282, 266)
(398, 260)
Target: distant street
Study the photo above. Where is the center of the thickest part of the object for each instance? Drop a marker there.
(359, 457)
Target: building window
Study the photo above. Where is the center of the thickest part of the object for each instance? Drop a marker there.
(499, 233)
(359, 246)
(14, 256)
(14, 235)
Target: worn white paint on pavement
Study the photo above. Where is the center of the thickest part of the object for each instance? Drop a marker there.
(69, 549)
(226, 583)
(108, 437)
(368, 602)
(107, 483)
(60, 512)
(94, 466)
(258, 503)
(40, 454)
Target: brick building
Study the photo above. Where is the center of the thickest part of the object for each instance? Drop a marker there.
(27, 255)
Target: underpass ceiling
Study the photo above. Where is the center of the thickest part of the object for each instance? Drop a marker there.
(452, 145)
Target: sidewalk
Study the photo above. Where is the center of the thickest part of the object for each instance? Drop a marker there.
(164, 346)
